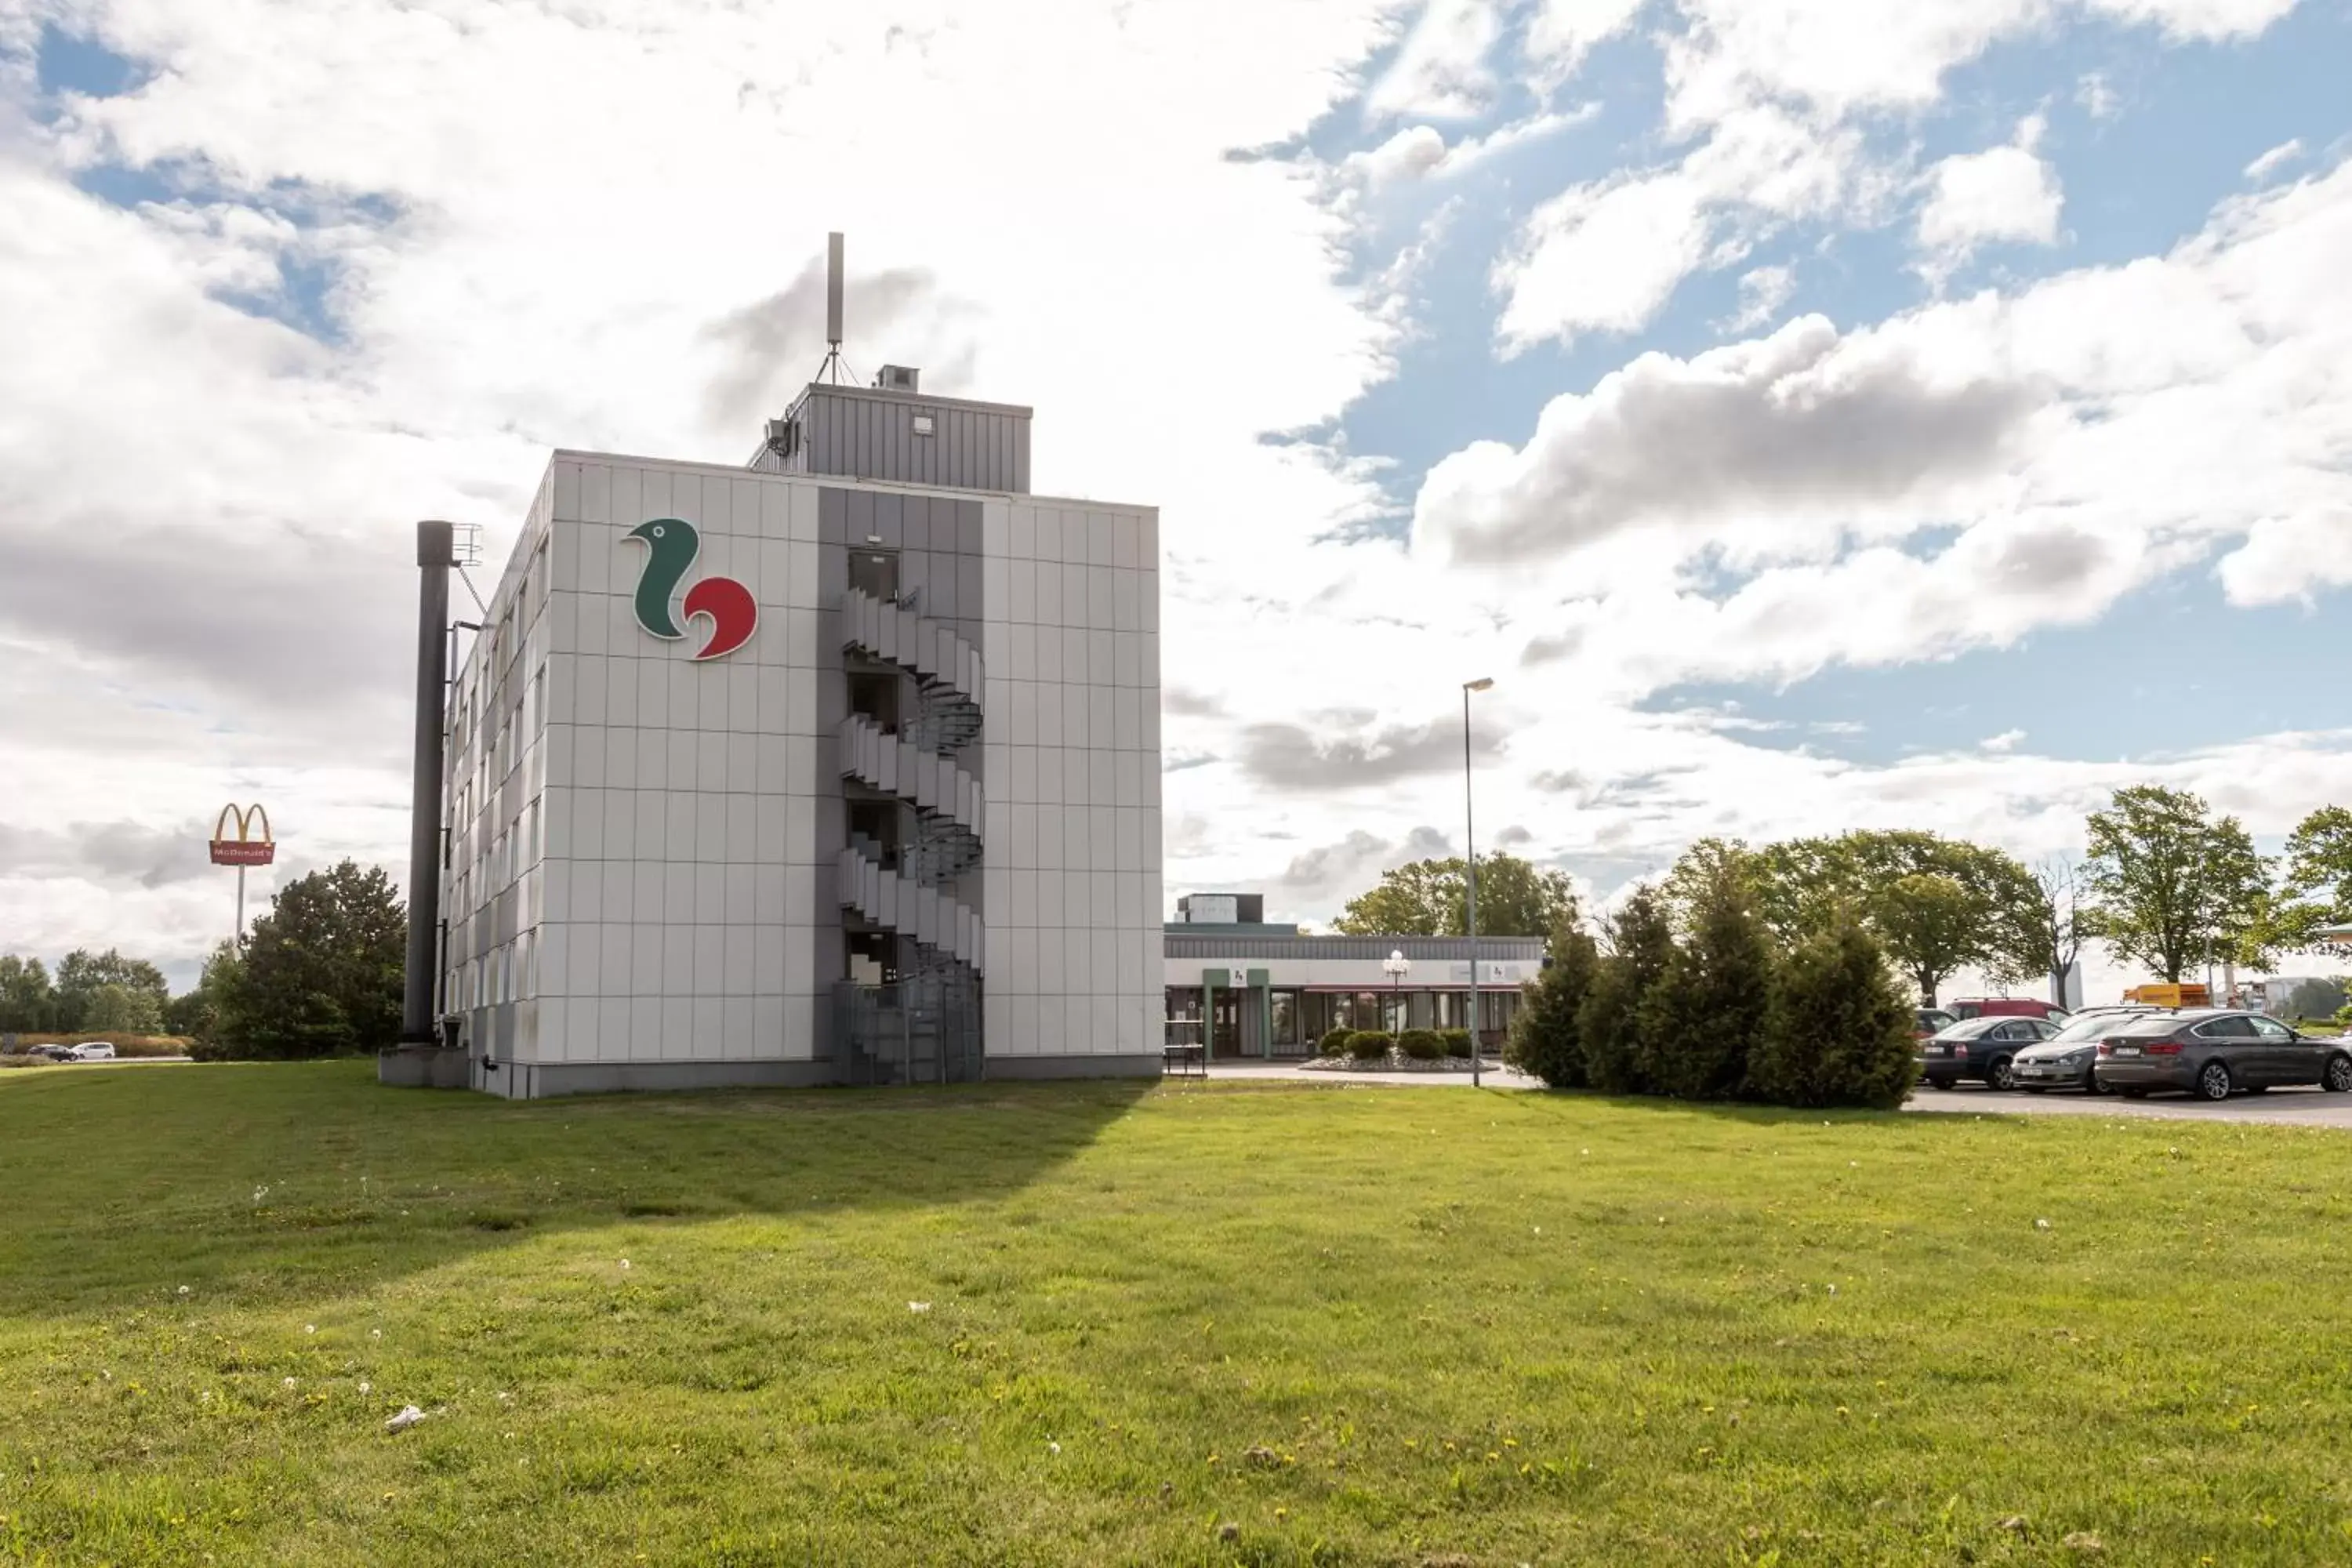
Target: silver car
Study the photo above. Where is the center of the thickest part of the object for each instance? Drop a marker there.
(2067, 1058)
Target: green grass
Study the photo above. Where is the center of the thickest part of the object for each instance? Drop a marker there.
(1356, 1325)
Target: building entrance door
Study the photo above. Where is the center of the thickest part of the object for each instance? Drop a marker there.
(1225, 1023)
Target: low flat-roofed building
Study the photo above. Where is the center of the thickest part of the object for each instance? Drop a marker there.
(1250, 989)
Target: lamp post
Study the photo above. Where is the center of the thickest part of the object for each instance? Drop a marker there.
(1470, 858)
(1396, 966)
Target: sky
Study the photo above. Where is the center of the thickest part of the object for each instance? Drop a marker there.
(1810, 413)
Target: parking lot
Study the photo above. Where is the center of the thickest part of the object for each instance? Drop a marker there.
(2296, 1107)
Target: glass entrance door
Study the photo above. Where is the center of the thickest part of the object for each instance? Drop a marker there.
(1225, 1023)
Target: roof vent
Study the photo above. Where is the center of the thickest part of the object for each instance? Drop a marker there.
(898, 378)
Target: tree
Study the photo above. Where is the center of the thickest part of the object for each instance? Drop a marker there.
(1931, 925)
(1608, 1025)
(2046, 927)
(1431, 898)
(81, 974)
(118, 1010)
(2171, 883)
(1935, 904)
(191, 1015)
(1699, 1024)
(27, 1002)
(321, 974)
(1545, 1037)
(1837, 1032)
(1687, 886)
(2319, 860)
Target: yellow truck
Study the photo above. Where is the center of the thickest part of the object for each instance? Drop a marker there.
(2169, 996)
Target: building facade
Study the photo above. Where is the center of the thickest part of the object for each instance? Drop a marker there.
(840, 767)
(1248, 989)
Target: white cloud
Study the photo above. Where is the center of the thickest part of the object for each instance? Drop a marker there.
(2277, 158)
(2290, 559)
(1763, 292)
(2003, 194)
(1601, 257)
(1441, 69)
(2080, 455)
(1770, 99)
(572, 217)
(1785, 425)
(2099, 97)
(1560, 33)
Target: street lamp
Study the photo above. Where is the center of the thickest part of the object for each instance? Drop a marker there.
(1396, 966)
(1470, 856)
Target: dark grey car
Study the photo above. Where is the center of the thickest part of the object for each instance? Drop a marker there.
(2214, 1054)
(1981, 1047)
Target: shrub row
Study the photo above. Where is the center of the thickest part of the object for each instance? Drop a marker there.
(1372, 1045)
(1718, 1012)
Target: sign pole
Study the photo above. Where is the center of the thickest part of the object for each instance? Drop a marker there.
(242, 852)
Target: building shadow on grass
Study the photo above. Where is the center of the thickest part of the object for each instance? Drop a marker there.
(281, 1180)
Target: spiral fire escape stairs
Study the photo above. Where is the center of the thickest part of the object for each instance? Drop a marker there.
(909, 889)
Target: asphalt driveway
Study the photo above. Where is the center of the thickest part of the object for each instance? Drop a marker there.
(2296, 1107)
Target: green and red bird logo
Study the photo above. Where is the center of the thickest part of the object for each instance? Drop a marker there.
(671, 545)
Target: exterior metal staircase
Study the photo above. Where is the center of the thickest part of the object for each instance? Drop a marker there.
(904, 890)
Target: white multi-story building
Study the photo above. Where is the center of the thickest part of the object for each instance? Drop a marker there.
(840, 767)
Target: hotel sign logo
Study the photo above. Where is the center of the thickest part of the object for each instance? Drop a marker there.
(243, 849)
(671, 546)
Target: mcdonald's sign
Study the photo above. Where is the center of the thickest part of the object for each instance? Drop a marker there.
(243, 849)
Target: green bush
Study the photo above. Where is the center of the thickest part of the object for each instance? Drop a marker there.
(1545, 1039)
(1368, 1045)
(1641, 944)
(1421, 1045)
(1838, 1032)
(1700, 1022)
(1457, 1042)
(1335, 1042)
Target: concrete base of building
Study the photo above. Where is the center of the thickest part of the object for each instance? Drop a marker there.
(545, 1080)
(1002, 1069)
(421, 1066)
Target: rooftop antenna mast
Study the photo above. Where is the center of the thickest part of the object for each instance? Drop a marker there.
(832, 308)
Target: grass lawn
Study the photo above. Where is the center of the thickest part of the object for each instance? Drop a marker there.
(1206, 1324)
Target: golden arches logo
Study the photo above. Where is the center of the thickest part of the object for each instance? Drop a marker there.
(243, 849)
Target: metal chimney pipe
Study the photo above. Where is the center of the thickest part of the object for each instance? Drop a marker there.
(437, 552)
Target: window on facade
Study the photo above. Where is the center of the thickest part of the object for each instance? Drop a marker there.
(1286, 1017)
(875, 572)
(875, 697)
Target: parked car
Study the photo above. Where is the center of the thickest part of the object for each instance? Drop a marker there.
(1930, 1020)
(54, 1053)
(2009, 1007)
(90, 1051)
(1982, 1048)
(2214, 1054)
(2069, 1058)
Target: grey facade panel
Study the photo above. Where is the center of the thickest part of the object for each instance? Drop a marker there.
(860, 433)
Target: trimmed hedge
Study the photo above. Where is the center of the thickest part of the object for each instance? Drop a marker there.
(1368, 1044)
(1457, 1042)
(1421, 1045)
(1334, 1042)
